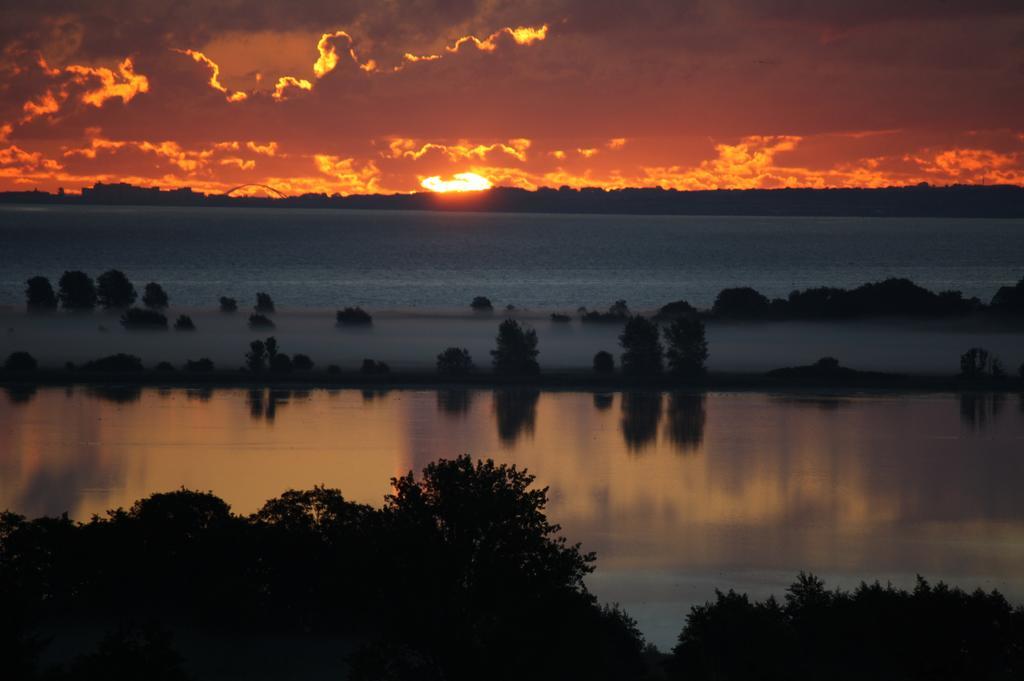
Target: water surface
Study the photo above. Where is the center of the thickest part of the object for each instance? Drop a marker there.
(403, 259)
(677, 493)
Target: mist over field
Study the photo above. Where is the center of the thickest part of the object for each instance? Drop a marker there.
(410, 341)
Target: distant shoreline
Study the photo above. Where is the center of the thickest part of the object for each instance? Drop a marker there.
(957, 201)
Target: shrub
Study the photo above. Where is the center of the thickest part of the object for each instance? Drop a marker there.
(202, 365)
(481, 304)
(372, 367)
(114, 290)
(353, 316)
(604, 363)
(39, 295)
(228, 305)
(115, 363)
(516, 350)
(139, 318)
(154, 296)
(264, 303)
(454, 362)
(18, 362)
(184, 323)
(77, 291)
(687, 346)
(301, 362)
(559, 317)
(641, 341)
(741, 303)
(258, 321)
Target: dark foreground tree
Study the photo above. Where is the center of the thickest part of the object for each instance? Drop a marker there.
(154, 296)
(184, 323)
(77, 291)
(114, 290)
(39, 295)
(454, 362)
(976, 363)
(687, 350)
(353, 316)
(228, 305)
(641, 341)
(115, 363)
(873, 632)
(141, 318)
(516, 351)
(256, 358)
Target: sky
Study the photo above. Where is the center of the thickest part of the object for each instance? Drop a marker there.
(384, 96)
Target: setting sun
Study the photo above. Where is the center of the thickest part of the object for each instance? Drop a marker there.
(462, 182)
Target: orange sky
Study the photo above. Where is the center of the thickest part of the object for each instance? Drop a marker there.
(366, 96)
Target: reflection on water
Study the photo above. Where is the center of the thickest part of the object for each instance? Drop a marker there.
(119, 394)
(515, 410)
(454, 401)
(678, 493)
(641, 413)
(685, 420)
(20, 394)
(977, 410)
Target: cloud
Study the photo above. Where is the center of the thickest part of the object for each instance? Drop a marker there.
(409, 148)
(347, 177)
(616, 143)
(214, 81)
(45, 104)
(520, 35)
(124, 83)
(268, 149)
(286, 82)
(328, 59)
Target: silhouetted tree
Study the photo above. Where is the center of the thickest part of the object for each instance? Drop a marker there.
(371, 367)
(204, 364)
(301, 362)
(603, 401)
(154, 296)
(687, 350)
(184, 323)
(256, 358)
(39, 295)
(140, 318)
(77, 291)
(481, 304)
(741, 303)
(516, 350)
(617, 312)
(604, 363)
(130, 654)
(1009, 299)
(264, 303)
(454, 362)
(675, 310)
(20, 362)
(560, 318)
(353, 316)
(164, 367)
(228, 305)
(114, 290)
(259, 321)
(641, 341)
(975, 363)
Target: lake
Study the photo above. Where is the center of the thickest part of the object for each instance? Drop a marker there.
(678, 493)
(400, 260)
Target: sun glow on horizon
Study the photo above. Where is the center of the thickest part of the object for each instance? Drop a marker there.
(462, 182)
